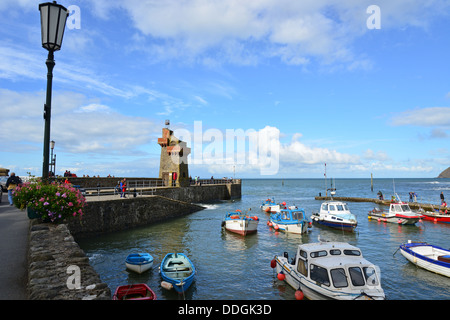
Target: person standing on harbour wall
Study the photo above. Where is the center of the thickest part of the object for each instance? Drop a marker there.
(442, 197)
(12, 182)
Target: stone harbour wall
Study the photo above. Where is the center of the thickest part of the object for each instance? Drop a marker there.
(58, 268)
(112, 213)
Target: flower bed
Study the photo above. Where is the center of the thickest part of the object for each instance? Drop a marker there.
(53, 202)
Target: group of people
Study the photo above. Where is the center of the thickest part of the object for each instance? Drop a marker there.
(122, 187)
(412, 197)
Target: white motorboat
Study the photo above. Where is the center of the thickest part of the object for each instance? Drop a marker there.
(269, 206)
(335, 214)
(399, 212)
(330, 270)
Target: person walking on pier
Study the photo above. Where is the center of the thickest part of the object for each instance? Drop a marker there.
(380, 195)
(12, 182)
(123, 186)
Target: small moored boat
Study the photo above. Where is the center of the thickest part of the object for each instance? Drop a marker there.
(291, 220)
(427, 256)
(399, 212)
(139, 262)
(436, 216)
(335, 214)
(330, 270)
(138, 291)
(269, 206)
(240, 223)
(177, 270)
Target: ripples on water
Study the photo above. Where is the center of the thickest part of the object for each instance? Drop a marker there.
(232, 267)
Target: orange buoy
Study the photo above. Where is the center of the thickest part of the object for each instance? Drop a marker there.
(299, 295)
(270, 224)
(276, 227)
(273, 263)
(281, 276)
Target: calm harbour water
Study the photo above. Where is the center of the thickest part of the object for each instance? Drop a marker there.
(233, 267)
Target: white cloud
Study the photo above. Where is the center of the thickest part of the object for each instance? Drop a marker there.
(247, 31)
(425, 117)
(379, 155)
(76, 125)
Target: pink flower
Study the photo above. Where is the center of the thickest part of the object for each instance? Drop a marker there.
(46, 203)
(70, 204)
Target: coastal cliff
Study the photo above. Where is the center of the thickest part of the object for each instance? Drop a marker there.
(445, 173)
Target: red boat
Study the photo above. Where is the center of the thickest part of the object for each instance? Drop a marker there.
(138, 291)
(436, 216)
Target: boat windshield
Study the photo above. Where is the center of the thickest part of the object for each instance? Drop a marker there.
(331, 207)
(340, 207)
(339, 278)
(285, 215)
(371, 276)
(297, 215)
(319, 274)
(356, 276)
(405, 208)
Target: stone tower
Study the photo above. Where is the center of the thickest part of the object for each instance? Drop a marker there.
(173, 167)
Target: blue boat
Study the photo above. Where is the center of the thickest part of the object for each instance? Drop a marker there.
(139, 262)
(177, 270)
(292, 220)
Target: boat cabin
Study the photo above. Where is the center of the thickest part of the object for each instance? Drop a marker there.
(399, 208)
(337, 265)
(334, 207)
(289, 215)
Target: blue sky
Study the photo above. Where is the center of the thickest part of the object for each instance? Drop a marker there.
(310, 74)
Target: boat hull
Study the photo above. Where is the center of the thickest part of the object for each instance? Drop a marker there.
(138, 291)
(297, 228)
(428, 257)
(443, 218)
(341, 225)
(139, 262)
(178, 270)
(381, 216)
(242, 226)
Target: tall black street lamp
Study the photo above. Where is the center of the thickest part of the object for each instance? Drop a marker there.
(53, 23)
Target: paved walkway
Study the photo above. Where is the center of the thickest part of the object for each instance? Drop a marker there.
(14, 225)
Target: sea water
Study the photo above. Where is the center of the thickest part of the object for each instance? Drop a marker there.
(234, 267)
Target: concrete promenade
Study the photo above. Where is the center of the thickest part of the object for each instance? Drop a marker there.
(14, 225)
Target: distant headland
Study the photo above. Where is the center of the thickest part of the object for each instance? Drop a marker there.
(445, 173)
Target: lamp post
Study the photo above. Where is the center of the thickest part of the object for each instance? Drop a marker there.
(53, 22)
